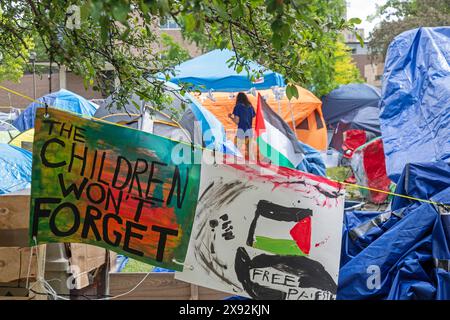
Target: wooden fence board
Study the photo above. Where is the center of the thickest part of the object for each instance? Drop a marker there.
(14, 220)
(158, 286)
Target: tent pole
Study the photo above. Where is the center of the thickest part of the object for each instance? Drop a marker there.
(292, 118)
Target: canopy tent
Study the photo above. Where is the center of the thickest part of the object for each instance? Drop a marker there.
(415, 105)
(15, 168)
(62, 99)
(304, 114)
(7, 132)
(182, 119)
(211, 72)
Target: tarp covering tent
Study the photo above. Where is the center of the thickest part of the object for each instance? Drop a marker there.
(305, 112)
(182, 119)
(368, 165)
(62, 99)
(211, 71)
(402, 253)
(15, 168)
(415, 105)
(355, 103)
(7, 132)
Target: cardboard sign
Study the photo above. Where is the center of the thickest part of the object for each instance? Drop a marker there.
(266, 234)
(110, 186)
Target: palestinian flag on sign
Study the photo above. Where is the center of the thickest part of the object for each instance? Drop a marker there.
(275, 139)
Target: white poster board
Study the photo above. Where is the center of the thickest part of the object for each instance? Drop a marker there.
(265, 234)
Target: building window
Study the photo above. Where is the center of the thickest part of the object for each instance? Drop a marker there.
(378, 77)
(168, 24)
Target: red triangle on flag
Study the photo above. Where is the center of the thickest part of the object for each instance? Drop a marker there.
(260, 126)
(301, 233)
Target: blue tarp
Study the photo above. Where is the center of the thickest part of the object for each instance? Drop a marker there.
(211, 71)
(15, 168)
(312, 162)
(415, 105)
(62, 99)
(402, 253)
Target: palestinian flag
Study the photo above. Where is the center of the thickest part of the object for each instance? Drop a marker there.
(275, 139)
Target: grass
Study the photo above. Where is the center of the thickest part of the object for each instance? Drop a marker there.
(137, 266)
(340, 174)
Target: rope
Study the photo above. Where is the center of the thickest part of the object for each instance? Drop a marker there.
(389, 192)
(203, 149)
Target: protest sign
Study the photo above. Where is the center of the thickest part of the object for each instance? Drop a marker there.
(266, 233)
(113, 187)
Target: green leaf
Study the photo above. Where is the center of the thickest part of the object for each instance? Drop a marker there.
(355, 21)
(360, 39)
(189, 23)
(291, 91)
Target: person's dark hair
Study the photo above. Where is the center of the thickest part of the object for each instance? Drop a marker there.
(242, 99)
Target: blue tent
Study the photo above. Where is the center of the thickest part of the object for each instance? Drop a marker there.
(355, 104)
(415, 104)
(211, 71)
(62, 99)
(402, 253)
(15, 168)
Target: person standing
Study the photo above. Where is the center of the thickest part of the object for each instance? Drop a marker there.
(243, 114)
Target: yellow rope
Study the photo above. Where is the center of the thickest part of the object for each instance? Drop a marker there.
(387, 192)
(19, 94)
(201, 148)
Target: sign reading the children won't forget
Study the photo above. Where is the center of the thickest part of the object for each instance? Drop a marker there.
(113, 187)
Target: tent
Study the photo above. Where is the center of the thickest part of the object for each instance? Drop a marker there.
(24, 140)
(211, 72)
(62, 99)
(355, 103)
(182, 119)
(401, 254)
(415, 104)
(15, 168)
(7, 132)
(304, 114)
(351, 107)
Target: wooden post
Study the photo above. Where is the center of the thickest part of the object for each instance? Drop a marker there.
(40, 273)
(194, 292)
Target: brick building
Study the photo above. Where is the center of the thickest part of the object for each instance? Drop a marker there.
(371, 70)
(70, 81)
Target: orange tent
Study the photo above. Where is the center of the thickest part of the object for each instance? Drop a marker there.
(305, 113)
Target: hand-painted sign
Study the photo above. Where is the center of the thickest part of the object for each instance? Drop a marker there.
(266, 234)
(113, 187)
